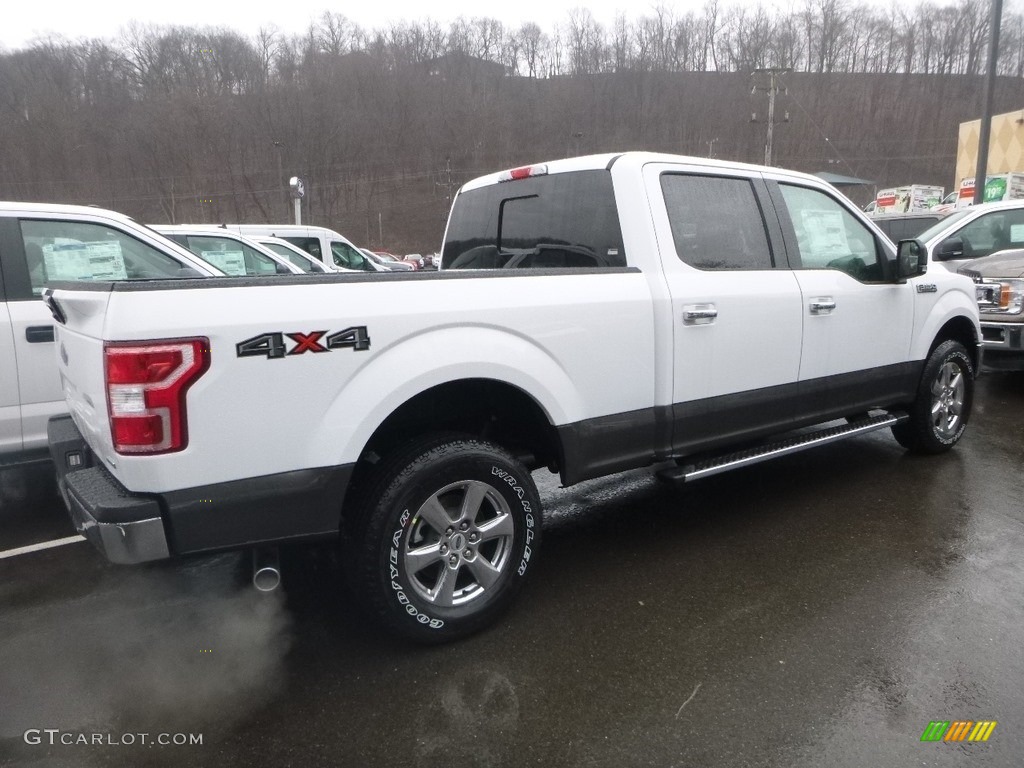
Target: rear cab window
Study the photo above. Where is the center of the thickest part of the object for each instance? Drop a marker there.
(561, 221)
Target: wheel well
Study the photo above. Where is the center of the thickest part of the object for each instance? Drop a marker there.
(959, 329)
(484, 408)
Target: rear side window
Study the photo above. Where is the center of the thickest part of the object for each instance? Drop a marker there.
(716, 222)
(74, 250)
(565, 220)
(310, 245)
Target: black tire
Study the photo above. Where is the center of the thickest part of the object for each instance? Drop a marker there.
(445, 534)
(939, 415)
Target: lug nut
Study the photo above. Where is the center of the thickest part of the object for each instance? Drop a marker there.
(464, 526)
(444, 549)
(473, 537)
(450, 531)
(453, 560)
(467, 552)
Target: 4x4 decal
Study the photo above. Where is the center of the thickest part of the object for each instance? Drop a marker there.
(273, 346)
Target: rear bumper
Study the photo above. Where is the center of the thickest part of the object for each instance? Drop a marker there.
(124, 527)
(129, 527)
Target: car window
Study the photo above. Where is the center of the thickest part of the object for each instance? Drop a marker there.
(943, 224)
(563, 220)
(73, 250)
(231, 256)
(829, 237)
(992, 232)
(310, 245)
(349, 257)
(903, 229)
(716, 222)
(304, 264)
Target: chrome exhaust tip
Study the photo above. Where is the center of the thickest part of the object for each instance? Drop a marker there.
(266, 569)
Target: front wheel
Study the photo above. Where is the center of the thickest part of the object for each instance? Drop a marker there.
(445, 535)
(939, 415)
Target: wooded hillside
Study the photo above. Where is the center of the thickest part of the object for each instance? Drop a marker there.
(189, 125)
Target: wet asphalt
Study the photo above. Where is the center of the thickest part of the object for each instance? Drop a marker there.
(818, 610)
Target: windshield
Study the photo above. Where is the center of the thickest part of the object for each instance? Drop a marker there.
(940, 226)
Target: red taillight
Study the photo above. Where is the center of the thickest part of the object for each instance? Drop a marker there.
(146, 386)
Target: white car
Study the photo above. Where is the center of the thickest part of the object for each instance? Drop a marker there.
(975, 232)
(300, 258)
(323, 243)
(228, 251)
(44, 243)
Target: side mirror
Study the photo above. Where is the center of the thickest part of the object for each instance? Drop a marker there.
(911, 259)
(281, 269)
(950, 248)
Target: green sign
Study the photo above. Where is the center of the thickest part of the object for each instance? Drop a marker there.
(995, 189)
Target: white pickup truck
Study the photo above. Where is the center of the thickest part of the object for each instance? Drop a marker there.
(591, 316)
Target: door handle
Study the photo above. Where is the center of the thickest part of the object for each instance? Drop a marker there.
(38, 334)
(822, 306)
(699, 314)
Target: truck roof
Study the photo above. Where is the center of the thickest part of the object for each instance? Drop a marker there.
(638, 160)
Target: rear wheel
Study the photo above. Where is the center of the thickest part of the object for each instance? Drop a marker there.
(939, 415)
(444, 538)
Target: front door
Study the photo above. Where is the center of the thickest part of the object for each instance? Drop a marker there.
(858, 323)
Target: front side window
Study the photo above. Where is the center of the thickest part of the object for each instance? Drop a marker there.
(304, 264)
(563, 220)
(73, 250)
(348, 257)
(992, 232)
(716, 222)
(829, 237)
(231, 256)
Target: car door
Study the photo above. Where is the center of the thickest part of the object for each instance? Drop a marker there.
(10, 408)
(736, 321)
(857, 321)
(31, 334)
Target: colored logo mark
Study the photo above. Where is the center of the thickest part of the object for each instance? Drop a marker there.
(959, 730)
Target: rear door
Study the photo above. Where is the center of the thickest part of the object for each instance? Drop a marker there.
(735, 304)
(30, 332)
(10, 409)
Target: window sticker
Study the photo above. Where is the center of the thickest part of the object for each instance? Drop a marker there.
(228, 262)
(1016, 233)
(85, 261)
(824, 232)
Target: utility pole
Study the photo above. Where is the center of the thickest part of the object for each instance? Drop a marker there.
(772, 89)
(981, 171)
(448, 187)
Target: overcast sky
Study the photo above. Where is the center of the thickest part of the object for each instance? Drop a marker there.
(23, 21)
